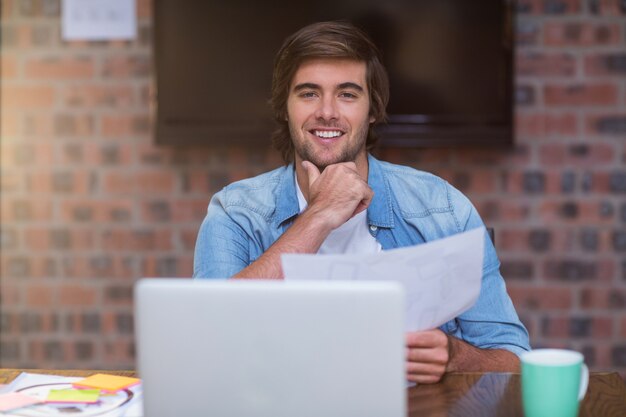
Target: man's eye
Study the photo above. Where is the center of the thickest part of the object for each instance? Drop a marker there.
(307, 94)
(347, 95)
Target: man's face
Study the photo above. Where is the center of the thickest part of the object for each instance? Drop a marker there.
(328, 111)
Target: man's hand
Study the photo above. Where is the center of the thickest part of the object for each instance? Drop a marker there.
(334, 196)
(427, 356)
(432, 353)
(337, 194)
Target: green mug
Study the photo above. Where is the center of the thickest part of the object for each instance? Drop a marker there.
(554, 381)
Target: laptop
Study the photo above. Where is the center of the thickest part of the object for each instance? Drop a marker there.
(271, 348)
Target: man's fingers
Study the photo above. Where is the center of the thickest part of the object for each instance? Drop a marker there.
(413, 368)
(426, 339)
(311, 170)
(365, 202)
(424, 373)
(439, 355)
(424, 379)
(427, 356)
(362, 206)
(338, 192)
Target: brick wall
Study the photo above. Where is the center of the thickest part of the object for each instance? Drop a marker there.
(557, 200)
(89, 204)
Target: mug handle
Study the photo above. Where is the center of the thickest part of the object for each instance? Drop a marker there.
(584, 381)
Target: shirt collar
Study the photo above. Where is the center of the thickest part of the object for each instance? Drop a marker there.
(380, 210)
(286, 196)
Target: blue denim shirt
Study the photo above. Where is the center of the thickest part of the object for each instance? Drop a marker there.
(410, 207)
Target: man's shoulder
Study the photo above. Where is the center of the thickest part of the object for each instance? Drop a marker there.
(403, 172)
(258, 194)
(413, 178)
(423, 191)
(266, 180)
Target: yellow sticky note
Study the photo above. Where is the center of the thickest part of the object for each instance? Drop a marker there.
(84, 396)
(110, 383)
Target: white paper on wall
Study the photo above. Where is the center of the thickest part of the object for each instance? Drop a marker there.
(98, 19)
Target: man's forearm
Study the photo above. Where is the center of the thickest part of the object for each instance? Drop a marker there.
(467, 358)
(306, 235)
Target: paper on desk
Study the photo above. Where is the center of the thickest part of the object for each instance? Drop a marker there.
(122, 404)
(441, 278)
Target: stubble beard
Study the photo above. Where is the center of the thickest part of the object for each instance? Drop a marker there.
(306, 149)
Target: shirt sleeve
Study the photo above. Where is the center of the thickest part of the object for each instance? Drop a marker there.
(492, 323)
(222, 246)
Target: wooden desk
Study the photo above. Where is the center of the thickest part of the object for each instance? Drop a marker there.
(461, 394)
(8, 375)
(495, 395)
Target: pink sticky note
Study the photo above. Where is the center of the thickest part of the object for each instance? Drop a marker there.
(14, 400)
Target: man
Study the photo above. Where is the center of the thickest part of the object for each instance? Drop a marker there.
(328, 91)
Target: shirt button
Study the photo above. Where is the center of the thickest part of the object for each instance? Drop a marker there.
(373, 228)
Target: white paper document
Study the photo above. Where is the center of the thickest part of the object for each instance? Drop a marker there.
(124, 403)
(441, 278)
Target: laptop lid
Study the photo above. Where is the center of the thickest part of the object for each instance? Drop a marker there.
(271, 348)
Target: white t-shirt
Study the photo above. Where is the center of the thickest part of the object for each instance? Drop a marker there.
(351, 237)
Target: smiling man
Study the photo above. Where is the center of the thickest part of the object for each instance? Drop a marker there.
(329, 89)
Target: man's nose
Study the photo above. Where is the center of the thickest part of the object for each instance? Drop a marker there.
(327, 109)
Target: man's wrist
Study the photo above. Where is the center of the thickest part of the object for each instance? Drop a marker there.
(453, 347)
(317, 222)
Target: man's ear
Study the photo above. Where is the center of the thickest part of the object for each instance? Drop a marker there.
(372, 119)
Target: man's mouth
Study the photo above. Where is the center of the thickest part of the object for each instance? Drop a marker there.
(327, 133)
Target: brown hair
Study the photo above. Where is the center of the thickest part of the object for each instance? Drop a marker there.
(326, 40)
